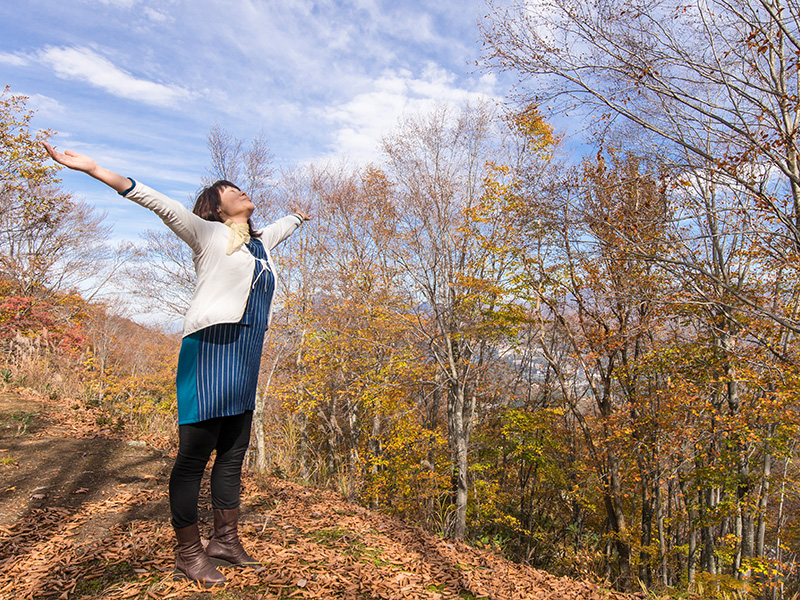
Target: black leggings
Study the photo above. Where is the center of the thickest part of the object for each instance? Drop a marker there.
(229, 436)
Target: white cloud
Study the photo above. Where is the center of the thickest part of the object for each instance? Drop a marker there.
(415, 26)
(45, 106)
(14, 60)
(367, 117)
(85, 64)
(120, 3)
(156, 16)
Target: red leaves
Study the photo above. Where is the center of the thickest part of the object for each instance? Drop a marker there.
(53, 322)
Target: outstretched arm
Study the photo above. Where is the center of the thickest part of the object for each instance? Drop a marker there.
(80, 162)
(186, 225)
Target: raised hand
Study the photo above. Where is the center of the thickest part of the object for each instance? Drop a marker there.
(81, 162)
(300, 212)
(70, 159)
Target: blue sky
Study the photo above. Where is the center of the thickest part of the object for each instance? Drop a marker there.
(138, 84)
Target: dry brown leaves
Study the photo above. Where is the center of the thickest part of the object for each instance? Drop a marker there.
(45, 554)
(312, 544)
(339, 550)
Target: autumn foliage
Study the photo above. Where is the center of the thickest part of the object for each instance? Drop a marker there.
(590, 365)
(53, 340)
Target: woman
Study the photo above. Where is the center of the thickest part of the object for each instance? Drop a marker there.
(223, 334)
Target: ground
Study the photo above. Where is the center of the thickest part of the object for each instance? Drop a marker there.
(83, 514)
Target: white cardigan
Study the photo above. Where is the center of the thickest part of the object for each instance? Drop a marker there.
(223, 281)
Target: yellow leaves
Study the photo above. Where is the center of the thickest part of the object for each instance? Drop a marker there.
(535, 130)
(412, 469)
(22, 158)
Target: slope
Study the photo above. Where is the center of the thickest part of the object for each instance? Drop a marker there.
(83, 514)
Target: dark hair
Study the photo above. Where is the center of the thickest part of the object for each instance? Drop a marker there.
(207, 204)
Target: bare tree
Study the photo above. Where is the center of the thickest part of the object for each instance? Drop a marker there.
(438, 162)
(49, 241)
(246, 165)
(711, 86)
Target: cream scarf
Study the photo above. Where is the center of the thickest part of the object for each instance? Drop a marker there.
(239, 234)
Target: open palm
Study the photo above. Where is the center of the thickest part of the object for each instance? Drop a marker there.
(70, 159)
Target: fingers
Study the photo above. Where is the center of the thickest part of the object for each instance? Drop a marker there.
(54, 154)
(300, 211)
(49, 149)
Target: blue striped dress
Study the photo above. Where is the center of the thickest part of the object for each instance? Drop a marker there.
(218, 366)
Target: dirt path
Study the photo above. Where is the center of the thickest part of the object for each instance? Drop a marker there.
(44, 466)
(83, 514)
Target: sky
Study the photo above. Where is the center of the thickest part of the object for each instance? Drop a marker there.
(138, 84)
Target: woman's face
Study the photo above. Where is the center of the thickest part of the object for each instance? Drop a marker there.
(234, 205)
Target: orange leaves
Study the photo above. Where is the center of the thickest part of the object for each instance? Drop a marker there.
(60, 344)
(537, 132)
(22, 161)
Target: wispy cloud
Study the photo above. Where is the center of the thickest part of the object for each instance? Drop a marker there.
(45, 106)
(13, 60)
(367, 117)
(157, 16)
(85, 64)
(320, 77)
(120, 3)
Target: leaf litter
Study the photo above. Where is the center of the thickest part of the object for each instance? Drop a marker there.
(311, 543)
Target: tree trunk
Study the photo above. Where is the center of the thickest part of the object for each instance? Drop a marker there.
(779, 525)
(459, 440)
(744, 516)
(648, 503)
(612, 484)
(662, 536)
(708, 561)
(353, 441)
(762, 505)
(258, 453)
(691, 557)
(305, 446)
(616, 515)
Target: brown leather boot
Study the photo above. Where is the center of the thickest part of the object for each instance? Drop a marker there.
(191, 561)
(225, 549)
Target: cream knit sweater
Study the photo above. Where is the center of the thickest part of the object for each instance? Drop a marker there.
(223, 281)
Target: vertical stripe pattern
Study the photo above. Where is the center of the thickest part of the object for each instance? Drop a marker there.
(218, 366)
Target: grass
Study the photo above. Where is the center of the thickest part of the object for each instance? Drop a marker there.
(339, 536)
(24, 419)
(118, 573)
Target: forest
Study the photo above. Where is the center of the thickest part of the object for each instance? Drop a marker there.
(585, 356)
